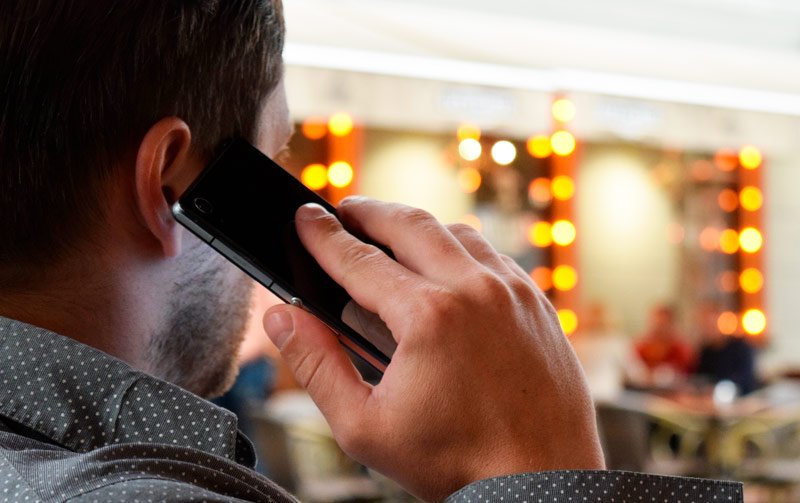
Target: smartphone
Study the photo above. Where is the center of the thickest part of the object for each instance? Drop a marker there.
(243, 205)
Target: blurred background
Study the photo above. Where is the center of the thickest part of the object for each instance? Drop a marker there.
(639, 159)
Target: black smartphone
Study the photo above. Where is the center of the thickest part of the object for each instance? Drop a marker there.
(243, 205)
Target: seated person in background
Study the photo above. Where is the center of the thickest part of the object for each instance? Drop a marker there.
(723, 357)
(113, 319)
(663, 349)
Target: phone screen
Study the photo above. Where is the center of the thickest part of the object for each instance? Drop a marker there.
(244, 206)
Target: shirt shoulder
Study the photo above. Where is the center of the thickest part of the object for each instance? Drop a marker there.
(126, 472)
(152, 489)
(598, 487)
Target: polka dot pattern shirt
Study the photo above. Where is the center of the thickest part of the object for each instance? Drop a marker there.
(78, 425)
(598, 487)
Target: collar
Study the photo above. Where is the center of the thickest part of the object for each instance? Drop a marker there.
(83, 399)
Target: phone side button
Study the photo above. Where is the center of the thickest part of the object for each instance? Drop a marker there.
(297, 302)
(242, 263)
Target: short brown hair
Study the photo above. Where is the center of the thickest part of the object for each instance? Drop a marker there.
(81, 82)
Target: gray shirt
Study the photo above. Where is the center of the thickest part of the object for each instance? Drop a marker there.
(79, 425)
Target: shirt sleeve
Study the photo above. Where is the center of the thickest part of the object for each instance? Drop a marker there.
(598, 487)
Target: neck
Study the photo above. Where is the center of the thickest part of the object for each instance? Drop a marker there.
(91, 308)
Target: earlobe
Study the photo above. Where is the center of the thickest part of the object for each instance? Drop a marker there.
(164, 163)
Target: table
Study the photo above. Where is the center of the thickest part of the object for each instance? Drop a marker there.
(719, 430)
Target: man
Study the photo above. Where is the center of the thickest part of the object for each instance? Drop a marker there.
(723, 357)
(109, 111)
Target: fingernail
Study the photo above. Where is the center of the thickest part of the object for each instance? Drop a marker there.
(310, 211)
(279, 326)
(352, 199)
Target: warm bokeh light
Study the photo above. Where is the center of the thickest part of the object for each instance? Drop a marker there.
(564, 233)
(754, 322)
(539, 146)
(340, 174)
(470, 149)
(709, 239)
(728, 200)
(504, 152)
(750, 157)
(539, 191)
(314, 128)
(728, 281)
(315, 176)
(569, 321)
(752, 198)
(675, 233)
(563, 110)
(543, 277)
(563, 143)
(468, 131)
(729, 241)
(340, 124)
(751, 280)
(728, 323)
(563, 188)
(702, 170)
(540, 234)
(469, 179)
(473, 221)
(726, 159)
(565, 278)
(751, 240)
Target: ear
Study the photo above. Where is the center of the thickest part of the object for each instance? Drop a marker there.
(165, 166)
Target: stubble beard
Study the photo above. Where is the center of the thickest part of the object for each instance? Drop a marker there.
(205, 323)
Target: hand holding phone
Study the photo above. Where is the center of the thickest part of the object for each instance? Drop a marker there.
(243, 205)
(483, 382)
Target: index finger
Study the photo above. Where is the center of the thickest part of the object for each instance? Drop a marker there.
(369, 276)
(416, 238)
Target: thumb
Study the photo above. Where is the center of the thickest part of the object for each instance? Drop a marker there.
(318, 362)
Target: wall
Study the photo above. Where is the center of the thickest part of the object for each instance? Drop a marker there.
(412, 169)
(625, 259)
(782, 194)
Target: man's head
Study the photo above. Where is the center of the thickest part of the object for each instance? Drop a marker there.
(107, 111)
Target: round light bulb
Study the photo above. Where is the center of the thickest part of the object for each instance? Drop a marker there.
(470, 149)
(315, 176)
(754, 322)
(340, 174)
(563, 143)
(563, 110)
(564, 233)
(504, 153)
(569, 321)
(340, 124)
(539, 146)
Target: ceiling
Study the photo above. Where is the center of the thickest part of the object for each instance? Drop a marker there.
(727, 53)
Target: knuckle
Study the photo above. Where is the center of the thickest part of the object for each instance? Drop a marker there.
(415, 217)
(356, 254)
(306, 368)
(522, 289)
(439, 305)
(463, 230)
(488, 284)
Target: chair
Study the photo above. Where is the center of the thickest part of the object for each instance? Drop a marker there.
(300, 454)
(634, 441)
